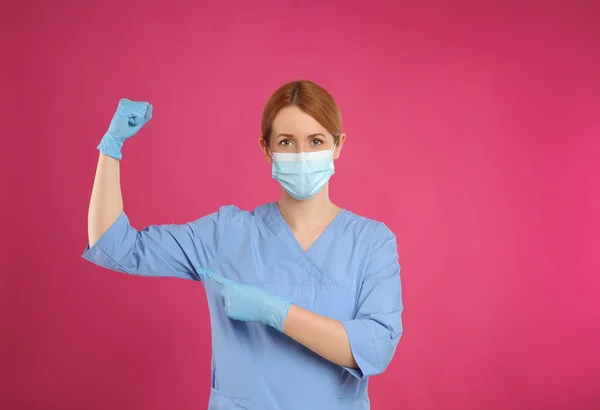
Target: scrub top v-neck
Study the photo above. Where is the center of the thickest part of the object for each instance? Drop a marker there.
(324, 233)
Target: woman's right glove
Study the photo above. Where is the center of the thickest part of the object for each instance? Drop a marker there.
(128, 119)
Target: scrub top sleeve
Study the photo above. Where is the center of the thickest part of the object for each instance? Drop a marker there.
(160, 250)
(377, 327)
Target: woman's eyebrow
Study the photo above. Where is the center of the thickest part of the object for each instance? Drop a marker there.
(318, 134)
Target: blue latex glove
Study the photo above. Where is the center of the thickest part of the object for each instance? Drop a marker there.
(250, 303)
(128, 119)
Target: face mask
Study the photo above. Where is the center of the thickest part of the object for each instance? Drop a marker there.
(303, 174)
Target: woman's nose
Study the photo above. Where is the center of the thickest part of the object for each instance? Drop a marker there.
(301, 147)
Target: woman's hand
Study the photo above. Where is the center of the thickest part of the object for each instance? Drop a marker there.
(250, 303)
(129, 118)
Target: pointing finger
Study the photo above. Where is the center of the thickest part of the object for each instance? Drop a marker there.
(207, 274)
(221, 280)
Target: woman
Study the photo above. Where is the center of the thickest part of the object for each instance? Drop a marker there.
(304, 296)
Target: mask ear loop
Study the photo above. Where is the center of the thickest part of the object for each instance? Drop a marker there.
(270, 153)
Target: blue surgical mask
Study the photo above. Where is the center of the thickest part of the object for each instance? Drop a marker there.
(303, 174)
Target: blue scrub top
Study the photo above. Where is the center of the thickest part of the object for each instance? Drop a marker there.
(350, 273)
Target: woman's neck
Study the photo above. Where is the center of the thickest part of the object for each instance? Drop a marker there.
(308, 215)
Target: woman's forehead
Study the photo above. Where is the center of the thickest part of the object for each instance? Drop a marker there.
(292, 120)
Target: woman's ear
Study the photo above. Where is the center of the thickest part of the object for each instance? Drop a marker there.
(265, 149)
(339, 145)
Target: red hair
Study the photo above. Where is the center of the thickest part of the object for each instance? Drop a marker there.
(310, 98)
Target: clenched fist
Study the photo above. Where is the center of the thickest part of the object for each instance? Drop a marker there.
(128, 119)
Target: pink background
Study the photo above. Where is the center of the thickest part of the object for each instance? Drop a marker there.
(473, 132)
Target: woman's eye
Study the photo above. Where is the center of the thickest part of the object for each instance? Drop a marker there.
(316, 143)
(285, 143)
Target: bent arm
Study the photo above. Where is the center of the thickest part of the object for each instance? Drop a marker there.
(157, 250)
